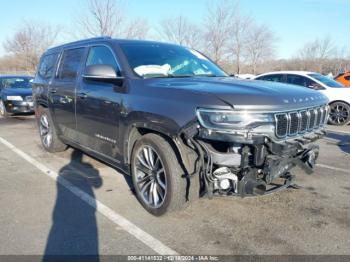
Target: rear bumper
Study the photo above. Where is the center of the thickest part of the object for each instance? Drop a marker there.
(19, 107)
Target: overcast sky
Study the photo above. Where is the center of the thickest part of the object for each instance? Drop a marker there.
(294, 22)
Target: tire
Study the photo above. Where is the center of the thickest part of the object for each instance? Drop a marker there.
(3, 111)
(339, 114)
(47, 132)
(146, 174)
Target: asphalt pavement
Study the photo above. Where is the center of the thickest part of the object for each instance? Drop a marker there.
(70, 203)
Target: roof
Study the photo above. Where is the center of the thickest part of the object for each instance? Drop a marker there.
(289, 72)
(104, 39)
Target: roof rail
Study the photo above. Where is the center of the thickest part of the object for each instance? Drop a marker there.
(82, 41)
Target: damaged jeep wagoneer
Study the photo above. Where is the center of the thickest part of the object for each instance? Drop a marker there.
(174, 121)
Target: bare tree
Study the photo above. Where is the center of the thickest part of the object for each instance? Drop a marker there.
(260, 45)
(30, 41)
(315, 53)
(102, 18)
(238, 35)
(136, 29)
(181, 31)
(108, 18)
(218, 24)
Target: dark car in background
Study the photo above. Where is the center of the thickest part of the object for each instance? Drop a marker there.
(16, 95)
(174, 121)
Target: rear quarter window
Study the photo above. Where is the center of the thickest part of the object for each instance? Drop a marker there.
(47, 65)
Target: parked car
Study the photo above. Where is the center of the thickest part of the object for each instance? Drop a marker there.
(16, 95)
(174, 121)
(343, 78)
(338, 94)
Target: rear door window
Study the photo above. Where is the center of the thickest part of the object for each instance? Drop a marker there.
(70, 64)
(300, 80)
(273, 78)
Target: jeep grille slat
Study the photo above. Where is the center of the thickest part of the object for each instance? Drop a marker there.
(299, 122)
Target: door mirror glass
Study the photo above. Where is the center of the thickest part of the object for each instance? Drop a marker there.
(102, 73)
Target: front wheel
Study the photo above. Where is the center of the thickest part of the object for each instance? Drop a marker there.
(157, 176)
(339, 114)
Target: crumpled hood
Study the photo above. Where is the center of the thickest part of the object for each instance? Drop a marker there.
(249, 94)
(23, 92)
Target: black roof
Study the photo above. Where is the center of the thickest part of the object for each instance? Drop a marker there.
(99, 39)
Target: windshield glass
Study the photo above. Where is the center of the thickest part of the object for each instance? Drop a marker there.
(327, 81)
(163, 60)
(16, 82)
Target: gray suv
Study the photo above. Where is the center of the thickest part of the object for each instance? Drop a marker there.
(174, 121)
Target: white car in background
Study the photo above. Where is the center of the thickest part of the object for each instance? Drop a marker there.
(338, 94)
(245, 76)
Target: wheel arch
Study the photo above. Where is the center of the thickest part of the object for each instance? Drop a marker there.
(339, 101)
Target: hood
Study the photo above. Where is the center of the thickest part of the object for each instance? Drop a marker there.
(249, 94)
(23, 92)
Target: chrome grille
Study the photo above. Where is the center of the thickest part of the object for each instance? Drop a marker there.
(294, 123)
(304, 117)
(299, 122)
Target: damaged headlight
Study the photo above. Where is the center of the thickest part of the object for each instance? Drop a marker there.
(233, 120)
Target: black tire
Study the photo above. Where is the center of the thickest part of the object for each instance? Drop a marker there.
(173, 177)
(339, 114)
(55, 144)
(3, 111)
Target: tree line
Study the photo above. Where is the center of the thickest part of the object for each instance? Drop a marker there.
(232, 39)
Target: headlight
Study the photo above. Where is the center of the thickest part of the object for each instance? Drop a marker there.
(232, 120)
(14, 98)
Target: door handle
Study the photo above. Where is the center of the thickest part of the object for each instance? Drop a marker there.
(82, 95)
(53, 90)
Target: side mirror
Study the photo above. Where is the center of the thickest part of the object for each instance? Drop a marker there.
(102, 73)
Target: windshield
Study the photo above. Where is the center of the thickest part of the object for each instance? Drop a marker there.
(16, 82)
(163, 60)
(325, 80)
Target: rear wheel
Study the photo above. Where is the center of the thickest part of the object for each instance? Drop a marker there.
(48, 136)
(157, 176)
(339, 114)
(3, 111)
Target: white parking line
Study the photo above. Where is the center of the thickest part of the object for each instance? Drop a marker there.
(116, 218)
(334, 168)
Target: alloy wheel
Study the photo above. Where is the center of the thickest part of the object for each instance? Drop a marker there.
(339, 114)
(150, 177)
(45, 131)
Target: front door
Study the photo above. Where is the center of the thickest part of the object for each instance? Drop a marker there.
(98, 107)
(62, 93)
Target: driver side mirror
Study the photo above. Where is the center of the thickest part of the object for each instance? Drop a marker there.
(102, 73)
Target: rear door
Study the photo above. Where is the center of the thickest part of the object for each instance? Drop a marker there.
(99, 106)
(62, 92)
